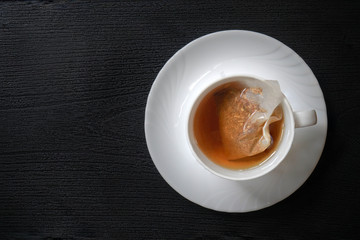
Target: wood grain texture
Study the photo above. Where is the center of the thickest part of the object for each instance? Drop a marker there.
(74, 79)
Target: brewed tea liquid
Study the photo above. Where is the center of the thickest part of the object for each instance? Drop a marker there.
(207, 134)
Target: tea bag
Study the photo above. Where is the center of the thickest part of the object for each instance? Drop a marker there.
(245, 114)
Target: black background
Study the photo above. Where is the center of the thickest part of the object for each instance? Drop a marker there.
(74, 80)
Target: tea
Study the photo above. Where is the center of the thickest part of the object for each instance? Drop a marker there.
(210, 136)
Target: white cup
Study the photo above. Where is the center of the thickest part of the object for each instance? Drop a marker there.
(292, 120)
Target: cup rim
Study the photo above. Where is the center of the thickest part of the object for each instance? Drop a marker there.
(250, 173)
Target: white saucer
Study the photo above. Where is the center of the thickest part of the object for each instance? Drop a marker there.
(226, 54)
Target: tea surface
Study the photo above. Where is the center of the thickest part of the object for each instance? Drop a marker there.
(208, 137)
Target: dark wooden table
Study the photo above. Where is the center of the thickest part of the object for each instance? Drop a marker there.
(74, 80)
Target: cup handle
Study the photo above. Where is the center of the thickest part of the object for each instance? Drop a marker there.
(305, 118)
